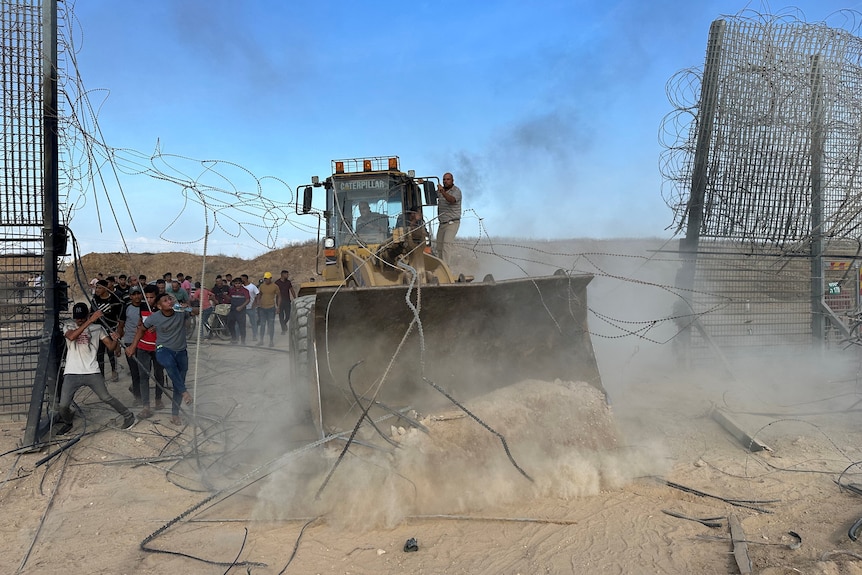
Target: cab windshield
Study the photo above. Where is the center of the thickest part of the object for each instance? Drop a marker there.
(364, 210)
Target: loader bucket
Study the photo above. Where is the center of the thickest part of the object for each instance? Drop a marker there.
(470, 339)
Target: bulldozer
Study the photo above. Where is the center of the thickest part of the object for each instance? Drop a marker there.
(386, 326)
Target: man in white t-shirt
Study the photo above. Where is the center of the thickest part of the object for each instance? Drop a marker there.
(83, 335)
(251, 308)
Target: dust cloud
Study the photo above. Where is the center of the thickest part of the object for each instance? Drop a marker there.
(562, 433)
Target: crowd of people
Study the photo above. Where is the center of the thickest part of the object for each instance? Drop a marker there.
(147, 322)
(252, 307)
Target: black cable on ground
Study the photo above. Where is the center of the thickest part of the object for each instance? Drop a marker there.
(217, 423)
(848, 486)
(180, 517)
(400, 415)
(238, 553)
(30, 448)
(296, 545)
(63, 448)
(746, 503)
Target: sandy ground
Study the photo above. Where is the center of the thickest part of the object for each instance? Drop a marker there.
(247, 486)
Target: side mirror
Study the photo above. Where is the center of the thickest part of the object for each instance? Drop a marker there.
(306, 199)
(430, 190)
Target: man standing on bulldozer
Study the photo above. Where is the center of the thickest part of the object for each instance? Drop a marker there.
(448, 216)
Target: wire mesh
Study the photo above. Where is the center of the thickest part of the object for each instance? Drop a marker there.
(22, 308)
(22, 304)
(749, 303)
(20, 68)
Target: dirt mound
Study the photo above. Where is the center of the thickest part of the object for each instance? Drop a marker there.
(560, 434)
(554, 417)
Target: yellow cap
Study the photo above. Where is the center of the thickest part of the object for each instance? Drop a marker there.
(267, 275)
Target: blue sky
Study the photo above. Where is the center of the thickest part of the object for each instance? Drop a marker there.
(547, 113)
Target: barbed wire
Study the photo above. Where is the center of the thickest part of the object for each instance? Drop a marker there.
(232, 197)
(661, 322)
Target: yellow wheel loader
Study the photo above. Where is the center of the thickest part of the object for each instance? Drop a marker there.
(386, 320)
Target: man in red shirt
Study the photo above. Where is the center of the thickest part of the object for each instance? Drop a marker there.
(143, 347)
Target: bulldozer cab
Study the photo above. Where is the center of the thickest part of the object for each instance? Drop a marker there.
(368, 199)
(377, 220)
(362, 218)
(374, 225)
(366, 208)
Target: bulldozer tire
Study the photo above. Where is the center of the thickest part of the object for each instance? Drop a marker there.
(300, 334)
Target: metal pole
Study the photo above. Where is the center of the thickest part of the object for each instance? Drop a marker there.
(705, 121)
(49, 358)
(700, 177)
(818, 319)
